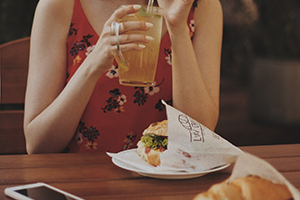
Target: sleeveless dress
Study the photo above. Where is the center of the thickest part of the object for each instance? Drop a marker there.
(116, 115)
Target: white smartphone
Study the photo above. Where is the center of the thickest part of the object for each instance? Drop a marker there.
(38, 191)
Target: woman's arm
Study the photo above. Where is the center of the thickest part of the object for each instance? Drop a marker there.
(196, 65)
(52, 108)
(47, 78)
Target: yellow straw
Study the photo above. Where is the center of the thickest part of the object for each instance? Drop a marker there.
(139, 17)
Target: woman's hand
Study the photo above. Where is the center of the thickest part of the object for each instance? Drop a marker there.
(107, 43)
(176, 11)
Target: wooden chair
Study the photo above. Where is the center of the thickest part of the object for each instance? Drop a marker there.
(14, 59)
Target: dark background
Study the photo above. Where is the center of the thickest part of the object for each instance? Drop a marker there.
(16, 19)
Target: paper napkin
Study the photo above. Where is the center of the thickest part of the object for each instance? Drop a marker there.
(194, 147)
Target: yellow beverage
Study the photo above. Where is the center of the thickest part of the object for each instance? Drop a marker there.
(142, 64)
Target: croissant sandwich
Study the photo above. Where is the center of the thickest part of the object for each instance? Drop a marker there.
(153, 142)
(246, 188)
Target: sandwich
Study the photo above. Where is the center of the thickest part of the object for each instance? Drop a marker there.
(246, 188)
(153, 142)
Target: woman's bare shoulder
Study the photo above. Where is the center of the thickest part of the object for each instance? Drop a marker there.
(55, 9)
(56, 5)
(52, 16)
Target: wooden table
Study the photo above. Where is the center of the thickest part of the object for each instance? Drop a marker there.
(94, 176)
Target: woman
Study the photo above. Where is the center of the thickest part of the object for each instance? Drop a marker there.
(73, 99)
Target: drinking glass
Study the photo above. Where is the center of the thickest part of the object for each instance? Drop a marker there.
(138, 68)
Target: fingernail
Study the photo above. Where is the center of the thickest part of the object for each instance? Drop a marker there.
(142, 46)
(136, 7)
(149, 25)
(149, 38)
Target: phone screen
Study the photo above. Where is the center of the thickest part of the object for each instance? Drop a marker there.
(43, 193)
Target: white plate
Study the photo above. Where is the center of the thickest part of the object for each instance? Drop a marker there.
(132, 154)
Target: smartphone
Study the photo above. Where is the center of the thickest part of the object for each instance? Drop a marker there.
(38, 191)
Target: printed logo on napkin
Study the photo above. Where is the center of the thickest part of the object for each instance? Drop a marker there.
(192, 146)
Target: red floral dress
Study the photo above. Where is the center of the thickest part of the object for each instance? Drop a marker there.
(116, 115)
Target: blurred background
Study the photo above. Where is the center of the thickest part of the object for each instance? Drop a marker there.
(260, 68)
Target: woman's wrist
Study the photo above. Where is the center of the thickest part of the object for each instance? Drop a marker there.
(96, 67)
(179, 32)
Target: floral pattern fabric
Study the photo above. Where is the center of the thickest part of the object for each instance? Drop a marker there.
(116, 115)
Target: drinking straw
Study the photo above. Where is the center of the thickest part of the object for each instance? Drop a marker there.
(150, 5)
(150, 2)
(139, 17)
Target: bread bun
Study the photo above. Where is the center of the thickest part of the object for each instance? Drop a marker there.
(152, 156)
(221, 191)
(157, 128)
(246, 188)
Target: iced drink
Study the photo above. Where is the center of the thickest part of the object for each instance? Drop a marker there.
(142, 64)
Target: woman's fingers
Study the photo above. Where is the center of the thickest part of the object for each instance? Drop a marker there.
(133, 38)
(117, 33)
(122, 12)
(134, 25)
(131, 26)
(129, 47)
(131, 41)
